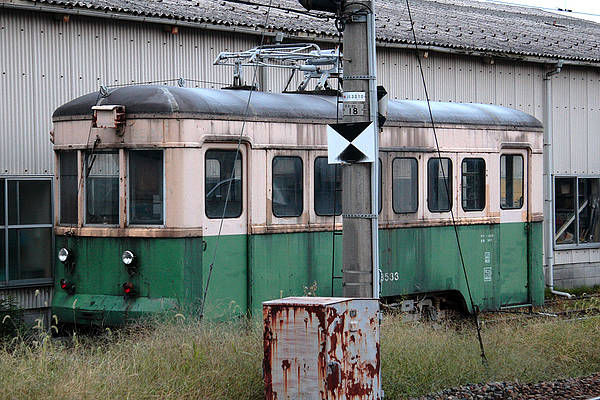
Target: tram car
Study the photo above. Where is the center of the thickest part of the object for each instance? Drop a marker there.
(143, 173)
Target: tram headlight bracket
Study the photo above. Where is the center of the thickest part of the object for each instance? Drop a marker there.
(130, 261)
(65, 256)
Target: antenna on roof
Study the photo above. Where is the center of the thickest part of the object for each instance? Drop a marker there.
(307, 58)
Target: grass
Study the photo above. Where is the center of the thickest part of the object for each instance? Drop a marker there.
(189, 360)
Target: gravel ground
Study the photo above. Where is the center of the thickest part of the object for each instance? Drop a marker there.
(575, 388)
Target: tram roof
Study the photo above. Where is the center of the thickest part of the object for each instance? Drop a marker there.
(175, 102)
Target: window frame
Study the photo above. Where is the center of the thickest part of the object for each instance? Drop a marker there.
(416, 184)
(130, 191)
(301, 184)
(6, 227)
(60, 183)
(314, 191)
(462, 187)
(500, 180)
(449, 175)
(577, 245)
(84, 188)
(242, 182)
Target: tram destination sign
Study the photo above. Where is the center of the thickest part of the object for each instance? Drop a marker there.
(351, 142)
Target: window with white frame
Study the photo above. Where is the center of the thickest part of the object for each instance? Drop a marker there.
(25, 229)
(576, 211)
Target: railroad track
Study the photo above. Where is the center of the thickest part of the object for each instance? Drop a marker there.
(584, 388)
(580, 308)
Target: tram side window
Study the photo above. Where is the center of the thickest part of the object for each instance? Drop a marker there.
(439, 178)
(473, 184)
(328, 187)
(68, 187)
(511, 181)
(146, 183)
(405, 195)
(219, 181)
(287, 186)
(102, 188)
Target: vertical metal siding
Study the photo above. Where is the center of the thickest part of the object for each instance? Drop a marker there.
(28, 298)
(44, 62)
(593, 122)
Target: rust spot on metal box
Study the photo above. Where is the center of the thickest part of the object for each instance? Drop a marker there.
(333, 352)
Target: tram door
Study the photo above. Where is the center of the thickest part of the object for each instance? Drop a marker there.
(514, 191)
(225, 229)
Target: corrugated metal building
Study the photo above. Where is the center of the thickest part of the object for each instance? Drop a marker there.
(54, 50)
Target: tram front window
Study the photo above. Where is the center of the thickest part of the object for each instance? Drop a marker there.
(146, 183)
(102, 188)
(68, 187)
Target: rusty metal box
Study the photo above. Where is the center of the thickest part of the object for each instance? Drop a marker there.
(321, 348)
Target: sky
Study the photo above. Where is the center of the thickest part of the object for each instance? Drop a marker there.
(580, 8)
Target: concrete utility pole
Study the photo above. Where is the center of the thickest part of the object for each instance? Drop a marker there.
(360, 209)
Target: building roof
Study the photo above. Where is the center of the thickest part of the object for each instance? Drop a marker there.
(154, 101)
(459, 25)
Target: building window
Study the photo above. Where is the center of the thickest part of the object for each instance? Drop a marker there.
(328, 187)
(287, 186)
(68, 187)
(439, 184)
(26, 230)
(577, 208)
(511, 181)
(220, 182)
(473, 184)
(405, 186)
(102, 188)
(146, 187)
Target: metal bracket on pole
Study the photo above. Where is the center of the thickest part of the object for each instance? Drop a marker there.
(360, 77)
(359, 216)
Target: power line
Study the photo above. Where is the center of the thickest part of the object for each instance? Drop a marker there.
(462, 260)
(232, 176)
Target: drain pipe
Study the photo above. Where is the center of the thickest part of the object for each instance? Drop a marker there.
(548, 169)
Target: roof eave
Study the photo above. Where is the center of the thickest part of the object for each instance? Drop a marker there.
(323, 37)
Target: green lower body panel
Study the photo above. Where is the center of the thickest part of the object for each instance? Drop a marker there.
(168, 276)
(101, 310)
(503, 264)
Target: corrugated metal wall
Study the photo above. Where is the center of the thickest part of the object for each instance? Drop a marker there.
(45, 62)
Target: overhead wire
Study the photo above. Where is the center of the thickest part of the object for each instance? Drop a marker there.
(445, 179)
(232, 176)
(340, 28)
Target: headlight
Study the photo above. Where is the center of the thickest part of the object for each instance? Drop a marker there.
(63, 255)
(127, 257)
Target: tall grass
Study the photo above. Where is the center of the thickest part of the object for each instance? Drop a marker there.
(191, 360)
